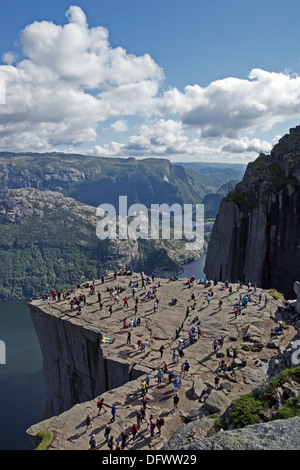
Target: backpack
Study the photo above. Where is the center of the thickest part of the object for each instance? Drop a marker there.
(98, 403)
(162, 421)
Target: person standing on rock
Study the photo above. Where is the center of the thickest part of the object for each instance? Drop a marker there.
(134, 430)
(159, 423)
(93, 442)
(88, 422)
(111, 443)
(100, 405)
(113, 413)
(161, 350)
(124, 438)
(128, 338)
(107, 432)
(159, 376)
(217, 380)
(175, 401)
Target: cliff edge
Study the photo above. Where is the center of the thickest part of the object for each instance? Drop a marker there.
(256, 235)
(87, 354)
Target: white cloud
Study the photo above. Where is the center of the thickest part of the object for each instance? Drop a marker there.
(245, 144)
(166, 138)
(118, 126)
(71, 79)
(226, 107)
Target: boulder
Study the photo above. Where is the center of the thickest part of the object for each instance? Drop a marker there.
(217, 401)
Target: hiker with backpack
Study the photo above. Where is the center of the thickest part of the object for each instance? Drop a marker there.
(159, 423)
(100, 405)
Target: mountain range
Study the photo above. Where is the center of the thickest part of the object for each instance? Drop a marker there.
(48, 216)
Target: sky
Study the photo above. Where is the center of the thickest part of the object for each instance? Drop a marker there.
(190, 80)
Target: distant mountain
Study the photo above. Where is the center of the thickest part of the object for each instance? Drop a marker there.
(48, 216)
(49, 241)
(96, 180)
(211, 176)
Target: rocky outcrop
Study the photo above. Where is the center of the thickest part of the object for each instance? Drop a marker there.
(275, 435)
(256, 233)
(80, 364)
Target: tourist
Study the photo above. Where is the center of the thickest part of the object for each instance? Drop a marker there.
(217, 380)
(88, 422)
(161, 350)
(186, 367)
(159, 423)
(159, 376)
(93, 442)
(111, 443)
(107, 432)
(124, 438)
(113, 413)
(134, 430)
(129, 338)
(175, 400)
(152, 428)
(100, 405)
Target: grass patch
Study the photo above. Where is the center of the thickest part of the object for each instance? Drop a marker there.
(290, 409)
(246, 410)
(276, 295)
(46, 439)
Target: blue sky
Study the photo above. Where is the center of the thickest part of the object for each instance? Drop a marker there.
(189, 80)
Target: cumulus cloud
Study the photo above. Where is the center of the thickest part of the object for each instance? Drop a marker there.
(70, 79)
(166, 138)
(118, 126)
(244, 144)
(228, 106)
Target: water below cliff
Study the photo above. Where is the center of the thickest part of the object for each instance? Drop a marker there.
(195, 268)
(21, 377)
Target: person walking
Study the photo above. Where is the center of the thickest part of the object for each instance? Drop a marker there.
(100, 405)
(175, 401)
(124, 438)
(93, 442)
(107, 432)
(88, 422)
(113, 413)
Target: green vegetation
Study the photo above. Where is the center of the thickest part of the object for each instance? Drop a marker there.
(46, 439)
(263, 166)
(268, 393)
(246, 410)
(276, 295)
(290, 409)
(250, 409)
(242, 198)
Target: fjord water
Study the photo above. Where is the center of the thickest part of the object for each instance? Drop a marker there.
(22, 393)
(195, 268)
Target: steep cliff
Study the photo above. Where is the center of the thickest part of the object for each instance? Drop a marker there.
(79, 366)
(256, 236)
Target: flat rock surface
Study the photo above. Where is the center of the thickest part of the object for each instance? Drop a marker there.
(169, 326)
